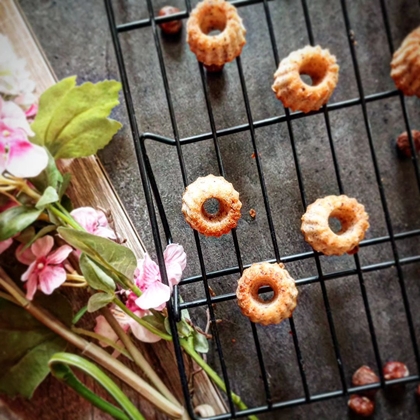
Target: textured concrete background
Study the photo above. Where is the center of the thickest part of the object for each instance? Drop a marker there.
(75, 37)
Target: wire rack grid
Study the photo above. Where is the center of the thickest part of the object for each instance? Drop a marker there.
(151, 191)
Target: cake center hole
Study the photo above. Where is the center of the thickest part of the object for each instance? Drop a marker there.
(335, 224)
(211, 206)
(306, 79)
(214, 32)
(213, 23)
(265, 294)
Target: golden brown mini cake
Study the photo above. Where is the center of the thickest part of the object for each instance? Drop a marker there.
(349, 212)
(284, 301)
(405, 65)
(297, 95)
(206, 188)
(215, 50)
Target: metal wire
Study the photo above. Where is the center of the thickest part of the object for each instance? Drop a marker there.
(153, 197)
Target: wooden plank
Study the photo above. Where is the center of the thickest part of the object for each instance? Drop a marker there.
(90, 186)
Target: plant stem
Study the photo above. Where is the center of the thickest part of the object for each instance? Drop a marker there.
(91, 350)
(21, 185)
(139, 359)
(63, 217)
(75, 277)
(69, 216)
(188, 346)
(103, 339)
(79, 315)
(142, 322)
(8, 297)
(77, 284)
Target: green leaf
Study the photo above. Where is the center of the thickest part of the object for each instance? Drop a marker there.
(26, 235)
(50, 196)
(184, 330)
(27, 345)
(98, 301)
(119, 257)
(44, 231)
(64, 184)
(49, 177)
(201, 345)
(95, 275)
(48, 102)
(158, 323)
(60, 365)
(78, 124)
(62, 372)
(184, 312)
(16, 219)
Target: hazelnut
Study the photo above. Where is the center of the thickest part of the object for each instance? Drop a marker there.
(362, 406)
(395, 370)
(403, 143)
(173, 26)
(365, 376)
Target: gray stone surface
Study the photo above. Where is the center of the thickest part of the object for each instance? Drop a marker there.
(75, 37)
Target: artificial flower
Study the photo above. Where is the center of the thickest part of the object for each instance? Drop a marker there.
(14, 117)
(103, 328)
(148, 279)
(31, 111)
(18, 156)
(128, 324)
(14, 78)
(94, 221)
(46, 271)
(5, 245)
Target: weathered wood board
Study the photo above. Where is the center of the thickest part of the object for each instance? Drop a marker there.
(90, 186)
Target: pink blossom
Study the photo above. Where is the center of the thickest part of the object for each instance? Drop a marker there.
(46, 271)
(94, 221)
(31, 111)
(128, 324)
(8, 205)
(18, 156)
(148, 279)
(25, 256)
(103, 328)
(14, 78)
(14, 117)
(5, 245)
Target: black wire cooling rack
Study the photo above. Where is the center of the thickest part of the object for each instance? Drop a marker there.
(153, 198)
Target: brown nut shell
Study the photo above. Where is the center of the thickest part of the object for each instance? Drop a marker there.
(362, 406)
(405, 65)
(173, 26)
(395, 370)
(222, 48)
(365, 376)
(403, 143)
(206, 188)
(350, 213)
(297, 95)
(282, 304)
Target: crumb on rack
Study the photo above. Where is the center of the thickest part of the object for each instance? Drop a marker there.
(253, 213)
